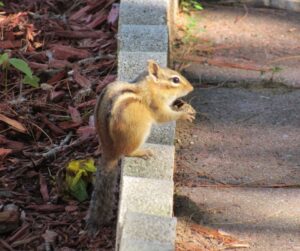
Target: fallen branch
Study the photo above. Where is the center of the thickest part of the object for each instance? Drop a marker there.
(6, 245)
(25, 241)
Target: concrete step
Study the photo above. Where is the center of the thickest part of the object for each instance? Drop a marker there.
(143, 195)
(159, 166)
(138, 38)
(147, 232)
(132, 64)
(143, 12)
(268, 219)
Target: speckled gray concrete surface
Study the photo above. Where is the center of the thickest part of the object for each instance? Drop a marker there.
(143, 12)
(143, 35)
(138, 245)
(148, 196)
(149, 228)
(131, 64)
(163, 133)
(159, 166)
(141, 38)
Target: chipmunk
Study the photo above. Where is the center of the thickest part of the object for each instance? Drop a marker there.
(124, 114)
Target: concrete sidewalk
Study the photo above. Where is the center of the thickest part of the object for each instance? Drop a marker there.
(248, 140)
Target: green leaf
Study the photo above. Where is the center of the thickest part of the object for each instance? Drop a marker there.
(198, 7)
(3, 58)
(1, 4)
(21, 65)
(90, 166)
(79, 191)
(33, 80)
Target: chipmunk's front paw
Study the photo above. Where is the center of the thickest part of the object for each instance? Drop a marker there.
(188, 116)
(188, 112)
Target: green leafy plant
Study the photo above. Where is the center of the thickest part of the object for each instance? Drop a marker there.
(188, 5)
(1, 4)
(6, 62)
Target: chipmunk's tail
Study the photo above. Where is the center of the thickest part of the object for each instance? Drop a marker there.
(103, 201)
(109, 165)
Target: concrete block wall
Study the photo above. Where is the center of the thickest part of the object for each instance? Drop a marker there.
(145, 217)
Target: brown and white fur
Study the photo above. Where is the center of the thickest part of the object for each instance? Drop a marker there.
(125, 112)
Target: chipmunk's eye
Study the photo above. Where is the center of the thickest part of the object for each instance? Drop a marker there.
(176, 80)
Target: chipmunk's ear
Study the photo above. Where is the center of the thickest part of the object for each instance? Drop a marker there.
(153, 69)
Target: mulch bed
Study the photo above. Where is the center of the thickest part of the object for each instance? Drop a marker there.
(71, 46)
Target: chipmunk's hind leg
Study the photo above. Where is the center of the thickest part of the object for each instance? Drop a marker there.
(141, 153)
(132, 131)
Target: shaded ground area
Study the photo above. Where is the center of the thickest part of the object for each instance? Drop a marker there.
(237, 43)
(238, 166)
(247, 137)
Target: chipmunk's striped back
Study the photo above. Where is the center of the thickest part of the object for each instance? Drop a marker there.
(112, 104)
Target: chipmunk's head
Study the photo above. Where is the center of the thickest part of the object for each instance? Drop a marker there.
(170, 82)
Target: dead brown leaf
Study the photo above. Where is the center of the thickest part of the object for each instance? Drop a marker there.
(75, 115)
(80, 79)
(43, 188)
(64, 52)
(113, 14)
(13, 123)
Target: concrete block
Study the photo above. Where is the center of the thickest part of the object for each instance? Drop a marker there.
(148, 229)
(163, 133)
(293, 5)
(138, 245)
(159, 166)
(143, 12)
(143, 38)
(143, 195)
(132, 64)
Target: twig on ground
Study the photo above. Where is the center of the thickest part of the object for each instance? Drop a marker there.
(284, 59)
(34, 124)
(245, 15)
(56, 149)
